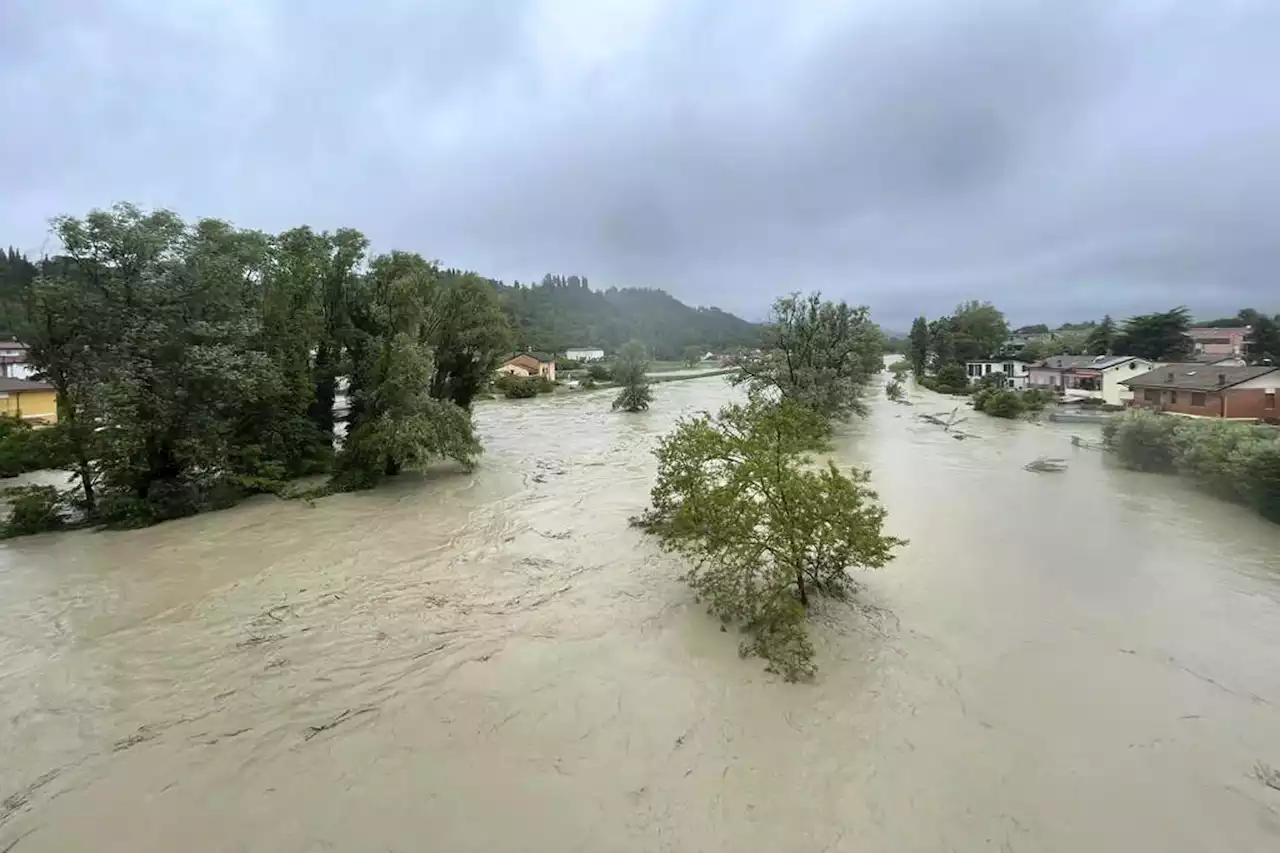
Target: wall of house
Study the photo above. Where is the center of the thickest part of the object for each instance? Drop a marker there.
(1044, 377)
(1115, 393)
(1247, 401)
(1179, 402)
(30, 404)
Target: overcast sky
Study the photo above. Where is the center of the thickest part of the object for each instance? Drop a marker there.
(1062, 158)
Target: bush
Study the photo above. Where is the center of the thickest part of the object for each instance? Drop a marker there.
(543, 385)
(757, 561)
(32, 509)
(516, 387)
(950, 379)
(600, 373)
(1035, 399)
(999, 403)
(1233, 460)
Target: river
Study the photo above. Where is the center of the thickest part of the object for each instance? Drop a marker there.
(495, 661)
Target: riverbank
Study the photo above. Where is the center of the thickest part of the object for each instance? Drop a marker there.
(1071, 662)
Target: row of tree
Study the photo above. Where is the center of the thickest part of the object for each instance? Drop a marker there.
(563, 312)
(196, 363)
(976, 331)
(738, 494)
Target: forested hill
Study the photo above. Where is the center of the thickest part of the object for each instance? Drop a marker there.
(564, 312)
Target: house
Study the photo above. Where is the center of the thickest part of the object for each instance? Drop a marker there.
(29, 400)
(530, 364)
(13, 360)
(1216, 340)
(1208, 391)
(584, 354)
(1210, 359)
(1088, 376)
(1015, 371)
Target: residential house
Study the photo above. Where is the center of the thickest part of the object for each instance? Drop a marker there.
(1208, 391)
(29, 400)
(584, 354)
(1212, 340)
(13, 360)
(1015, 371)
(1088, 376)
(1210, 359)
(530, 364)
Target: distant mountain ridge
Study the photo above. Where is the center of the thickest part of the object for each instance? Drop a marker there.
(563, 312)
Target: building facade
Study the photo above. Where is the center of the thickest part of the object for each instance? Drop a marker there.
(1088, 376)
(31, 401)
(529, 364)
(584, 354)
(1212, 340)
(1014, 371)
(1233, 393)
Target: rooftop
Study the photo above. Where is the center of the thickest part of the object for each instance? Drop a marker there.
(7, 385)
(1196, 377)
(1093, 362)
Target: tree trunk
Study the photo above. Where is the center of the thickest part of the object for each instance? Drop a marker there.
(321, 411)
(392, 467)
(804, 594)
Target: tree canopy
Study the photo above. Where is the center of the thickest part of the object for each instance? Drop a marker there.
(1159, 337)
(822, 355)
(631, 372)
(563, 312)
(197, 362)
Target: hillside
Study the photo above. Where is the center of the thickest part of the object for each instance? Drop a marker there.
(564, 312)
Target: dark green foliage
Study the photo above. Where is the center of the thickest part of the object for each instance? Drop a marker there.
(1235, 461)
(918, 346)
(1101, 338)
(564, 312)
(26, 448)
(630, 371)
(763, 528)
(1159, 337)
(893, 390)
(950, 379)
(999, 402)
(32, 509)
(600, 373)
(1263, 344)
(516, 387)
(196, 363)
(822, 355)
(979, 331)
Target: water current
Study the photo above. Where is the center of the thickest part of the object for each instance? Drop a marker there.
(495, 661)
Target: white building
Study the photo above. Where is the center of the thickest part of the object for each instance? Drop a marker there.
(13, 360)
(584, 354)
(1015, 372)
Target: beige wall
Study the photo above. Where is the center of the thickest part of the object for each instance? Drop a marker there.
(30, 404)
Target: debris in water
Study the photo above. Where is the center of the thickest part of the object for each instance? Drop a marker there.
(312, 731)
(1267, 775)
(1046, 464)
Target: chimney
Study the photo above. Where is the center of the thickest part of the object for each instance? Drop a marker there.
(1170, 377)
(1222, 379)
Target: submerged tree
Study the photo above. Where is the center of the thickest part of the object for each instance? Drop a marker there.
(821, 355)
(395, 423)
(764, 529)
(631, 372)
(918, 346)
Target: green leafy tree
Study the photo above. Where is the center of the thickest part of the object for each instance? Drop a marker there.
(467, 332)
(1101, 338)
(979, 330)
(395, 423)
(822, 355)
(631, 372)
(1263, 344)
(918, 346)
(942, 344)
(1158, 337)
(763, 529)
(692, 355)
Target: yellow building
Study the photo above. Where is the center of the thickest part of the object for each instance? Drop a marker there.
(29, 400)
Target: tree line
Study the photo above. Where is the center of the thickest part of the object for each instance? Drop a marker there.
(562, 312)
(978, 330)
(197, 363)
(739, 494)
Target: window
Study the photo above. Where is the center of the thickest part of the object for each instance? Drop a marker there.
(1197, 398)
(988, 368)
(1173, 396)
(1151, 395)
(1008, 368)
(1269, 400)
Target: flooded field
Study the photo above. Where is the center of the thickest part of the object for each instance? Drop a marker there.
(1084, 661)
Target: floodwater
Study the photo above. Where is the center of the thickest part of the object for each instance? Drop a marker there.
(496, 662)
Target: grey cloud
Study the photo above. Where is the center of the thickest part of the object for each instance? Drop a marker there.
(1061, 159)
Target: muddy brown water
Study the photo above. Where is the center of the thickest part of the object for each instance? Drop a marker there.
(496, 662)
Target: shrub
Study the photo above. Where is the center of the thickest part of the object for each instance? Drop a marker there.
(543, 385)
(600, 373)
(32, 509)
(764, 529)
(516, 387)
(999, 403)
(1233, 460)
(953, 376)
